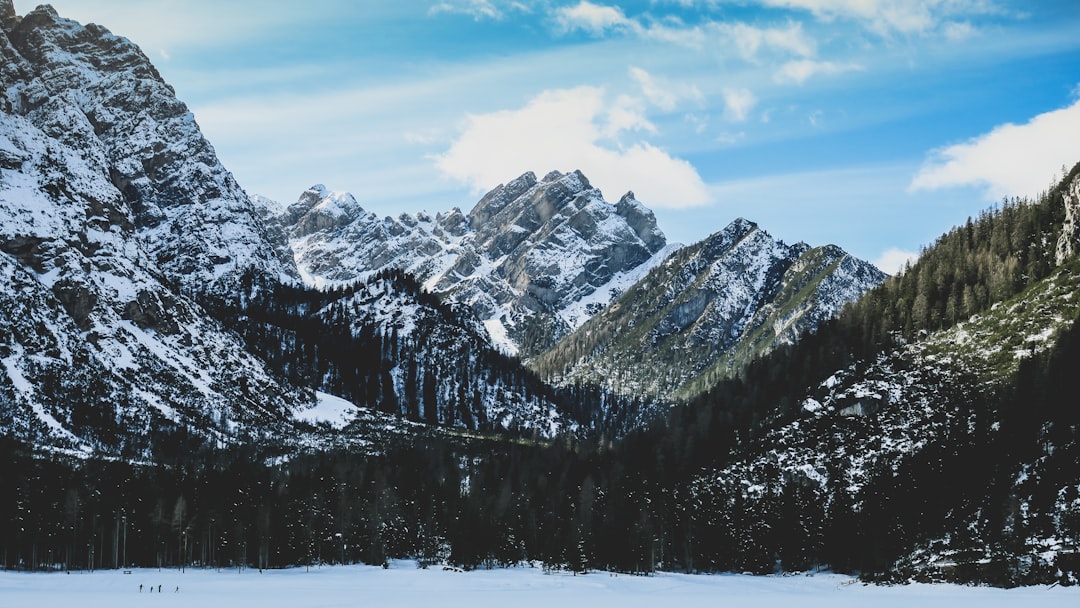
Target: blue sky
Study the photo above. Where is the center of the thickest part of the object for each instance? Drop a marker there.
(872, 124)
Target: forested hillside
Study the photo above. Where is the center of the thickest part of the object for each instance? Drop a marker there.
(866, 447)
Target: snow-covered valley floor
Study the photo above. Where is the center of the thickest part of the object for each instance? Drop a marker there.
(405, 585)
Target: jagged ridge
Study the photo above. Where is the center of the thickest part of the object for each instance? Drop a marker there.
(707, 311)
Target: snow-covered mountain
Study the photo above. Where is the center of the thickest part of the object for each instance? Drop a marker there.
(101, 352)
(708, 310)
(952, 444)
(384, 343)
(120, 230)
(540, 261)
(99, 95)
(534, 259)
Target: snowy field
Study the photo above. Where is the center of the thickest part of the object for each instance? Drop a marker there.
(405, 585)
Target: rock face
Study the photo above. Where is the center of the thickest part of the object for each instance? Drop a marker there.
(543, 264)
(120, 229)
(1069, 241)
(706, 311)
(98, 95)
(334, 240)
(534, 258)
(110, 201)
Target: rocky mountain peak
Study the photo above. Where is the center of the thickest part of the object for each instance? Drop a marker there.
(101, 99)
(642, 220)
(717, 303)
(529, 247)
(494, 201)
(8, 18)
(320, 209)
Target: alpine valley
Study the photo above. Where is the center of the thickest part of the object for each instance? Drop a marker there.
(193, 376)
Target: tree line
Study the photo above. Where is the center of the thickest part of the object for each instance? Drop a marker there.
(999, 473)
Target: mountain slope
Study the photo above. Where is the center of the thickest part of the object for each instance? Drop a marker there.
(706, 311)
(100, 353)
(384, 344)
(539, 259)
(533, 259)
(119, 228)
(100, 96)
(938, 449)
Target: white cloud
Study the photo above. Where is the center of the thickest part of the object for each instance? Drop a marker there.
(885, 17)
(595, 19)
(569, 129)
(599, 19)
(892, 260)
(1010, 160)
(751, 41)
(477, 9)
(627, 114)
(801, 70)
(958, 31)
(663, 93)
(738, 103)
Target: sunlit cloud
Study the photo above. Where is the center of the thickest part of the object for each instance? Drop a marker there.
(893, 260)
(567, 129)
(592, 18)
(1010, 160)
(599, 20)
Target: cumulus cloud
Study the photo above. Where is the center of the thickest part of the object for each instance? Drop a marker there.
(892, 260)
(592, 18)
(569, 129)
(1010, 160)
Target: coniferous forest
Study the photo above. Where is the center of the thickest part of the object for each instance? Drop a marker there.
(999, 470)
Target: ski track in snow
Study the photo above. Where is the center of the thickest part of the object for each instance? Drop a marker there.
(403, 584)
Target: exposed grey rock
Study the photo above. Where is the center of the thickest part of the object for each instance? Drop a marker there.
(526, 258)
(8, 18)
(108, 197)
(100, 96)
(1069, 241)
(706, 311)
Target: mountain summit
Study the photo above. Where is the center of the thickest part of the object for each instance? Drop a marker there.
(114, 213)
(533, 259)
(708, 310)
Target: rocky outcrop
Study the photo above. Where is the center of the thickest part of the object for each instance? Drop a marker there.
(8, 18)
(99, 95)
(109, 201)
(706, 311)
(533, 258)
(1069, 241)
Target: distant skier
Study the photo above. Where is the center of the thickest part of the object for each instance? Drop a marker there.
(140, 588)
(159, 588)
